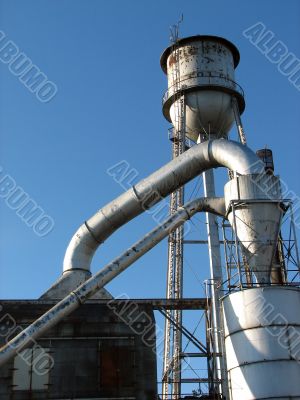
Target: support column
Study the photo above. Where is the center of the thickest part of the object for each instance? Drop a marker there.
(216, 280)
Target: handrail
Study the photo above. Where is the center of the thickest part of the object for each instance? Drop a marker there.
(200, 74)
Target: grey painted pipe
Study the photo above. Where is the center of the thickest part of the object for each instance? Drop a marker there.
(104, 276)
(151, 190)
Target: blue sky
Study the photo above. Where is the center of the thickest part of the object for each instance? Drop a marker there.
(104, 58)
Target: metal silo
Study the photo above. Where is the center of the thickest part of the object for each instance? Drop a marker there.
(262, 343)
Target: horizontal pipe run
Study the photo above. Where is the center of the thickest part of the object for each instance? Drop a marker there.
(104, 276)
(186, 303)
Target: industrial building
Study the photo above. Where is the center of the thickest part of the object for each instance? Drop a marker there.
(92, 353)
(78, 342)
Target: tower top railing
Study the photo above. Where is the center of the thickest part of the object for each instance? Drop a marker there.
(209, 79)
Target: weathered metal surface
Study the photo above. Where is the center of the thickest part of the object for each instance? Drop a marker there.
(186, 40)
(174, 284)
(155, 304)
(144, 195)
(266, 156)
(70, 281)
(151, 190)
(216, 278)
(99, 280)
(262, 344)
(253, 202)
(181, 304)
(206, 65)
(98, 352)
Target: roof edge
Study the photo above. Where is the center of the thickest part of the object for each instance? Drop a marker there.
(234, 50)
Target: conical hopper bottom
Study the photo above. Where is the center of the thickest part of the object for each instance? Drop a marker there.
(257, 228)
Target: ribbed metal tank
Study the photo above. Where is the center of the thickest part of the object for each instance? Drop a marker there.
(206, 67)
(262, 343)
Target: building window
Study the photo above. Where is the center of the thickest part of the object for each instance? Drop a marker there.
(31, 369)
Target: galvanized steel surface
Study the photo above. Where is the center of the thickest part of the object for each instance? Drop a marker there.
(151, 190)
(262, 341)
(216, 280)
(69, 281)
(95, 283)
(253, 203)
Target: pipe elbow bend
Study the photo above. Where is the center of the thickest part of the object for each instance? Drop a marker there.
(235, 156)
(80, 251)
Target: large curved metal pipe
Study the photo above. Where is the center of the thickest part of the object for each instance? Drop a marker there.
(151, 190)
(104, 276)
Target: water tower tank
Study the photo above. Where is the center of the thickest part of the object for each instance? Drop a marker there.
(202, 68)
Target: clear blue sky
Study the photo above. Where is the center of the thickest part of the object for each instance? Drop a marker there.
(104, 58)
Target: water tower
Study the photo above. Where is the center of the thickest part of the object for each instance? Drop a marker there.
(201, 68)
(202, 102)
